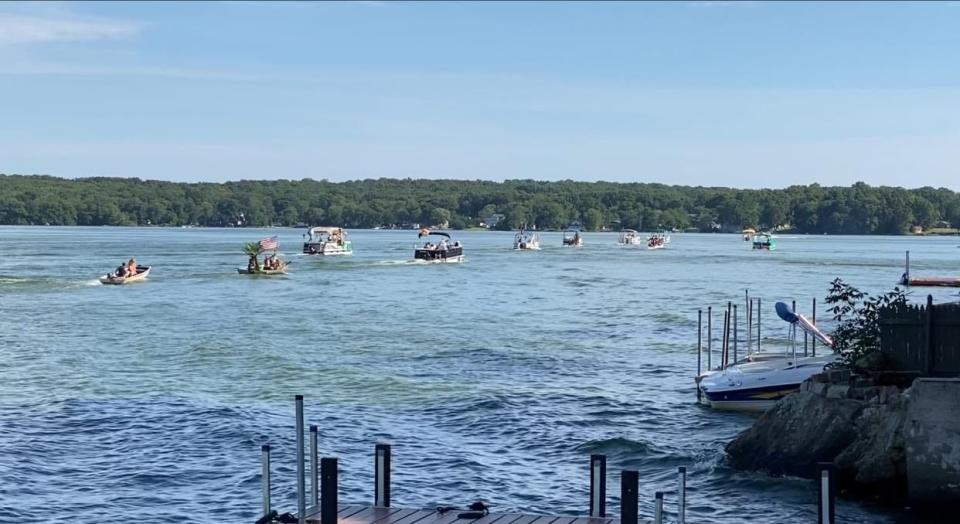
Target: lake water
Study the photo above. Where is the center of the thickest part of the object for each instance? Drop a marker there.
(493, 379)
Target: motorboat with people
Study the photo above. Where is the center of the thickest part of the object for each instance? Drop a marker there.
(572, 238)
(127, 273)
(327, 241)
(757, 384)
(748, 234)
(272, 264)
(444, 250)
(526, 240)
(764, 242)
(630, 237)
(658, 240)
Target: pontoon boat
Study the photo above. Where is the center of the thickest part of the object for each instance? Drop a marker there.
(442, 251)
(327, 241)
(571, 237)
(629, 237)
(764, 241)
(526, 240)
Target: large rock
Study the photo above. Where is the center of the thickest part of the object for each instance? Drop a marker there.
(794, 435)
(875, 462)
(933, 440)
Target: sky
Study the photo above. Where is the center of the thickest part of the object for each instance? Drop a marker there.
(742, 94)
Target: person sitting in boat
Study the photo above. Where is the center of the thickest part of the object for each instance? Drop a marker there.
(132, 267)
(121, 271)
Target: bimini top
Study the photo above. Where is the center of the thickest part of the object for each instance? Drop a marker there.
(425, 232)
(749, 230)
(323, 229)
(628, 231)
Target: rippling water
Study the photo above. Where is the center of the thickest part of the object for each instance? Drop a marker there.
(493, 379)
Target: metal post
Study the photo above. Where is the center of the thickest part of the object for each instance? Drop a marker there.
(735, 333)
(759, 309)
(813, 341)
(725, 350)
(598, 486)
(301, 474)
(328, 488)
(381, 476)
(682, 495)
(699, 347)
(658, 508)
(265, 476)
(906, 274)
(709, 337)
(629, 498)
(314, 469)
(927, 359)
(750, 327)
(825, 509)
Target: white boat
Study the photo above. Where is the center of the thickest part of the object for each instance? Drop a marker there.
(764, 242)
(629, 237)
(758, 382)
(442, 251)
(142, 273)
(658, 240)
(525, 240)
(327, 241)
(572, 238)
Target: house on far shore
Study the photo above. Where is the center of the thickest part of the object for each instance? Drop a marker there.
(491, 221)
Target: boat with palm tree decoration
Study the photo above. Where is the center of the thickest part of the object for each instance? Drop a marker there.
(272, 264)
(327, 241)
(572, 238)
(526, 240)
(442, 251)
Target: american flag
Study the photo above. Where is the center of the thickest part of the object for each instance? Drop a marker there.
(269, 243)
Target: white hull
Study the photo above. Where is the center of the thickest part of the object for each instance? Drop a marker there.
(757, 386)
(448, 260)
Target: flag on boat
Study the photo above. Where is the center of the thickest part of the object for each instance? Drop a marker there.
(269, 243)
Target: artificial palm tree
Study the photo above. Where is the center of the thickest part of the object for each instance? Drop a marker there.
(252, 249)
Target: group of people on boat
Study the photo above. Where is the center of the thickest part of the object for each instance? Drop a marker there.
(656, 241)
(126, 269)
(443, 245)
(270, 263)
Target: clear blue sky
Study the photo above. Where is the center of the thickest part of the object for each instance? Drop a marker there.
(710, 93)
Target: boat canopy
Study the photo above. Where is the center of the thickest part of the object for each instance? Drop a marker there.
(323, 229)
(438, 233)
(628, 230)
(749, 231)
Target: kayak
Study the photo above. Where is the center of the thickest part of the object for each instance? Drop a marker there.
(142, 272)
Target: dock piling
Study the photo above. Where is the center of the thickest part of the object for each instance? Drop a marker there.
(813, 342)
(749, 326)
(629, 498)
(314, 468)
(658, 508)
(265, 477)
(759, 309)
(699, 346)
(328, 488)
(598, 486)
(709, 337)
(825, 510)
(381, 473)
(682, 495)
(735, 333)
(301, 474)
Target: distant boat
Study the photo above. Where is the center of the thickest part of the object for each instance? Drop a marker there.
(525, 240)
(327, 241)
(142, 273)
(629, 237)
(748, 234)
(572, 238)
(658, 240)
(254, 267)
(764, 242)
(443, 251)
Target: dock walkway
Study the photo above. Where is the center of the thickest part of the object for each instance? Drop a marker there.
(351, 514)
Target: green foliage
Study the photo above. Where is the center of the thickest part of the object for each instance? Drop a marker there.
(859, 209)
(858, 319)
(251, 249)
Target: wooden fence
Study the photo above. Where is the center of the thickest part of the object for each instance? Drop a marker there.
(922, 339)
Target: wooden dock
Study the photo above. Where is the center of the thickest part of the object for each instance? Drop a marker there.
(348, 514)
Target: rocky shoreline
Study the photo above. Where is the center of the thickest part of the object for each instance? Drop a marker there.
(894, 444)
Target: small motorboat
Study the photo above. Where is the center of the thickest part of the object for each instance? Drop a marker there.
(658, 240)
(442, 251)
(327, 241)
(526, 241)
(748, 234)
(142, 273)
(572, 238)
(757, 384)
(764, 242)
(629, 237)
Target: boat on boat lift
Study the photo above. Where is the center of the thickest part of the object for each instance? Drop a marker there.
(630, 237)
(526, 240)
(756, 384)
(327, 241)
(442, 251)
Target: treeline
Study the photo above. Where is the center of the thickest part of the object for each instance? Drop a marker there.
(859, 209)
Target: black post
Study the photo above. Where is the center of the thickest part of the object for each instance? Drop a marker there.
(381, 476)
(759, 308)
(813, 341)
(265, 476)
(598, 485)
(301, 474)
(709, 337)
(735, 331)
(314, 468)
(825, 507)
(629, 497)
(682, 495)
(699, 347)
(328, 490)
(928, 338)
